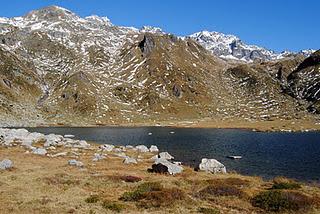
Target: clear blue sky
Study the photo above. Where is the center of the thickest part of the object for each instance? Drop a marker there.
(275, 24)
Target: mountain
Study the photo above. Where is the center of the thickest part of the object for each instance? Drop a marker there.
(304, 81)
(59, 68)
(233, 48)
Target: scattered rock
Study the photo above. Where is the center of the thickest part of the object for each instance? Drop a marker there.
(165, 155)
(142, 148)
(74, 162)
(129, 160)
(121, 155)
(6, 164)
(212, 165)
(165, 166)
(129, 147)
(53, 140)
(154, 148)
(39, 151)
(107, 147)
(98, 157)
(61, 154)
(80, 144)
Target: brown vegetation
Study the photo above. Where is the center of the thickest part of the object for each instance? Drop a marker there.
(49, 185)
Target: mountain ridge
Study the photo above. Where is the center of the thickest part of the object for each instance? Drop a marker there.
(80, 71)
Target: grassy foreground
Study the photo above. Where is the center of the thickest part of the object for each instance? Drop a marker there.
(40, 184)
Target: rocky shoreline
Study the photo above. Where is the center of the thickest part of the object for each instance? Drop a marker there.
(53, 146)
(58, 174)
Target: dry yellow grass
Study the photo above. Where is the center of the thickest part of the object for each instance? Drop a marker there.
(40, 184)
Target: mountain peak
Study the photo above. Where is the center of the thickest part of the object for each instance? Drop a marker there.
(231, 47)
(50, 13)
(151, 29)
(102, 20)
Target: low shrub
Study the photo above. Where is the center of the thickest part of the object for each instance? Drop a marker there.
(162, 198)
(275, 200)
(229, 181)
(219, 190)
(116, 207)
(206, 210)
(283, 183)
(153, 194)
(130, 178)
(141, 190)
(92, 199)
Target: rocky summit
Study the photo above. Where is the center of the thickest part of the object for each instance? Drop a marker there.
(57, 68)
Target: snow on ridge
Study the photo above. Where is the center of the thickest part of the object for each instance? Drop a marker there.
(229, 46)
(151, 29)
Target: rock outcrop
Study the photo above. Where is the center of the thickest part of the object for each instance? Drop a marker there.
(164, 166)
(212, 165)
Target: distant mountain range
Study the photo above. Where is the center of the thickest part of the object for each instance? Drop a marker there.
(59, 68)
(231, 47)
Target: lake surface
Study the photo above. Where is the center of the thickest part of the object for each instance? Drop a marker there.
(266, 154)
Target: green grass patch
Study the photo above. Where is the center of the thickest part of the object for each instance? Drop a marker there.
(207, 210)
(275, 200)
(113, 206)
(92, 199)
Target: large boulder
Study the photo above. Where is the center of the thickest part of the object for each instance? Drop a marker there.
(6, 164)
(82, 144)
(142, 148)
(154, 148)
(129, 160)
(164, 166)
(107, 147)
(165, 155)
(98, 157)
(212, 165)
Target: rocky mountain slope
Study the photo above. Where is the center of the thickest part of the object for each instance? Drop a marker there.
(233, 48)
(59, 68)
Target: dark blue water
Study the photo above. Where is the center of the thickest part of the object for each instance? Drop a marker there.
(265, 154)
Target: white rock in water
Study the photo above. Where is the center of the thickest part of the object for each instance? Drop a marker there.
(165, 155)
(129, 160)
(74, 162)
(39, 151)
(142, 148)
(6, 164)
(154, 148)
(212, 165)
(172, 168)
(68, 136)
(98, 157)
(107, 147)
